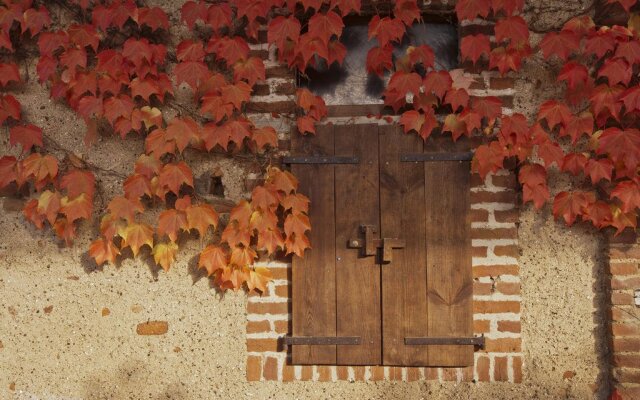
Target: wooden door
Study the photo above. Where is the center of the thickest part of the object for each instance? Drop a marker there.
(336, 293)
(427, 288)
(380, 177)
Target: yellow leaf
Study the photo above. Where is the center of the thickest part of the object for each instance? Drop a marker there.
(164, 254)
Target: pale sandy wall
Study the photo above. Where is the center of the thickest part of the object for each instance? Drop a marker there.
(76, 352)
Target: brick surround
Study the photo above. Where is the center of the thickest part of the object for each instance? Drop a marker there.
(624, 262)
(496, 290)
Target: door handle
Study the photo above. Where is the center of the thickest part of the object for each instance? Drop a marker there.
(369, 245)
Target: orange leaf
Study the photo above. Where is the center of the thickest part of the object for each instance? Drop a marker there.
(125, 208)
(258, 278)
(296, 202)
(40, 167)
(200, 217)
(80, 206)
(296, 224)
(242, 256)
(270, 240)
(77, 182)
(171, 222)
(49, 205)
(213, 258)
(173, 176)
(135, 236)
(103, 250)
(25, 135)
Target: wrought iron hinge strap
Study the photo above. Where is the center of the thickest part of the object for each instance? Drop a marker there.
(424, 341)
(320, 160)
(422, 157)
(321, 340)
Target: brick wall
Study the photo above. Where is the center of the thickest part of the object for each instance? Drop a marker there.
(624, 261)
(496, 291)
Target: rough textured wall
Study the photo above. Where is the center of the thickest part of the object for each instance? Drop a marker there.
(68, 331)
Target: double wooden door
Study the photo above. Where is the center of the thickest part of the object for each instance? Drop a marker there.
(390, 257)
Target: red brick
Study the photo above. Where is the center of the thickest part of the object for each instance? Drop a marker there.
(478, 84)
(517, 369)
(503, 345)
(495, 270)
(481, 326)
(629, 283)
(306, 373)
(625, 330)
(258, 326)
(467, 374)
(431, 374)
(254, 368)
(624, 268)
(479, 215)
(509, 326)
(270, 371)
(507, 251)
(395, 373)
(482, 367)
(504, 196)
(264, 54)
(626, 360)
(629, 392)
(286, 88)
(494, 307)
(482, 289)
(342, 373)
(624, 314)
(624, 252)
(479, 251)
(262, 345)
(261, 90)
(281, 273)
(413, 374)
(377, 373)
(268, 308)
(507, 101)
(509, 288)
(501, 369)
(325, 373)
(279, 72)
(282, 291)
(497, 83)
(626, 344)
(358, 373)
(259, 294)
(498, 233)
(281, 326)
(627, 375)
(288, 373)
(281, 107)
(622, 298)
(476, 29)
(450, 374)
(507, 215)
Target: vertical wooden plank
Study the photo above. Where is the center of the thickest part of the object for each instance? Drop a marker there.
(313, 276)
(449, 275)
(357, 278)
(402, 201)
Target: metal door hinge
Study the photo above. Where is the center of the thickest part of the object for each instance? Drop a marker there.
(425, 341)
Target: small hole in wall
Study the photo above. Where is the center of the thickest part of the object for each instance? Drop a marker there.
(216, 187)
(637, 297)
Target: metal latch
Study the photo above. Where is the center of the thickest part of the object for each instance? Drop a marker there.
(369, 244)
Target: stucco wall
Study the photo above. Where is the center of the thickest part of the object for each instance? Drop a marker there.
(74, 350)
